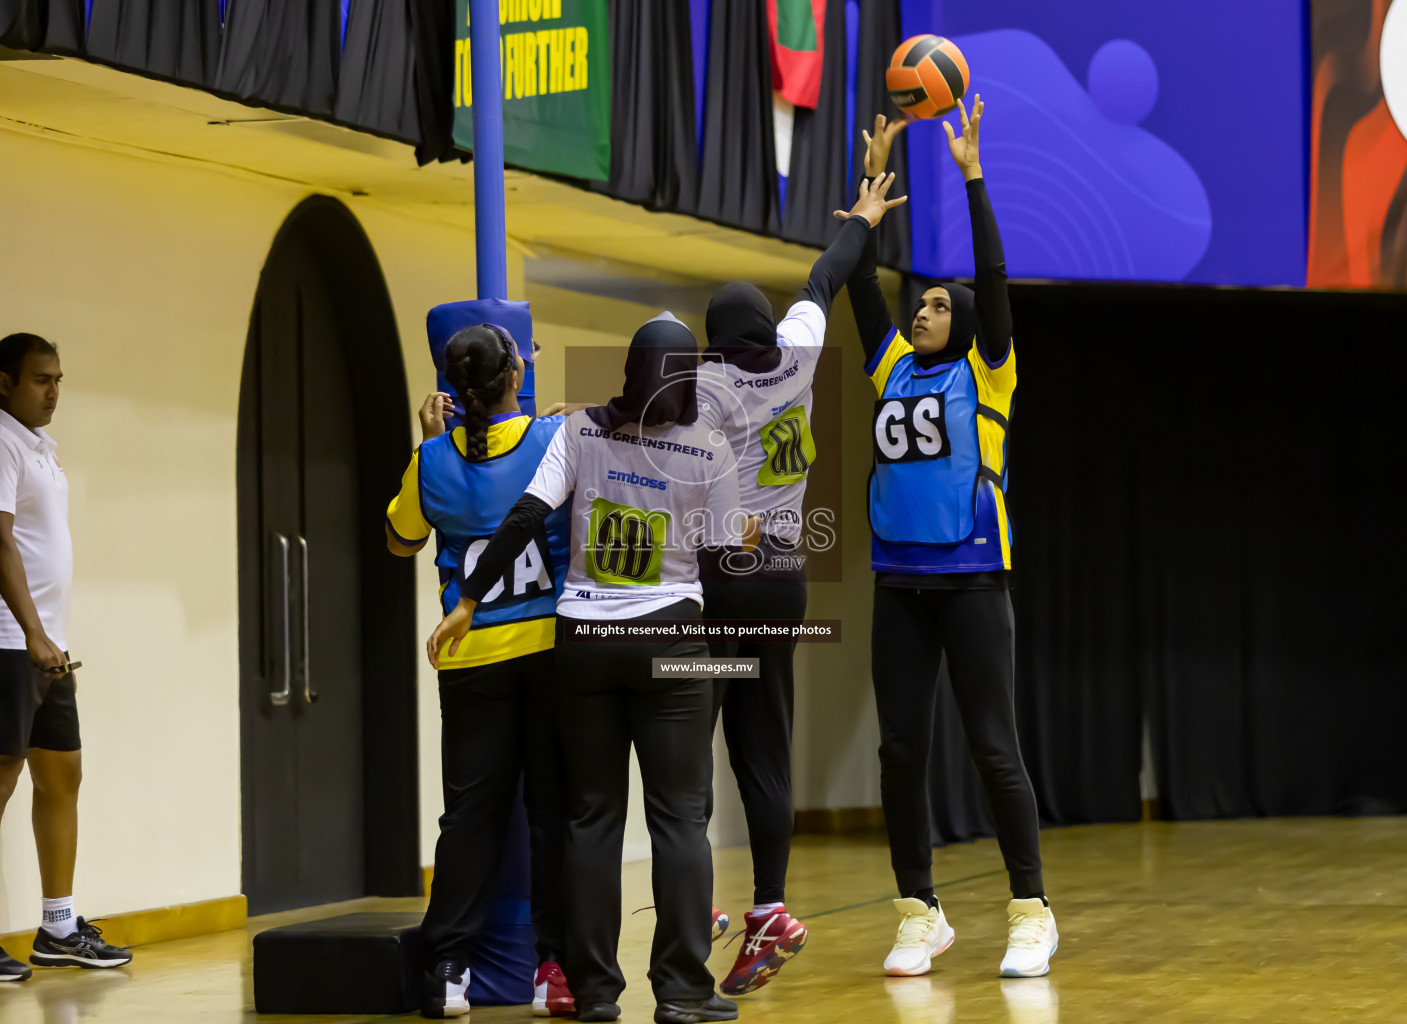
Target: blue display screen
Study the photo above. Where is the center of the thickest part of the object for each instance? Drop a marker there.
(1153, 141)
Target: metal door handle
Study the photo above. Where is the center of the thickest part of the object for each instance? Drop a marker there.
(282, 696)
(309, 694)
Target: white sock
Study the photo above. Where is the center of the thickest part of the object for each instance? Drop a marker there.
(59, 919)
(759, 909)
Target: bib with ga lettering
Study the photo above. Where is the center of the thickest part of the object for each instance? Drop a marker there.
(467, 500)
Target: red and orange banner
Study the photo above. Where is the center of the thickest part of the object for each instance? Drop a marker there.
(1358, 145)
(797, 28)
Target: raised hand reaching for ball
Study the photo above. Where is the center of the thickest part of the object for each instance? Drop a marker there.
(964, 146)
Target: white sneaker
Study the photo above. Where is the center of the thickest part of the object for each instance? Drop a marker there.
(446, 991)
(1031, 939)
(923, 934)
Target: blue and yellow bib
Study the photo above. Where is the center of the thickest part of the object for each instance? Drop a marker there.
(937, 494)
(464, 502)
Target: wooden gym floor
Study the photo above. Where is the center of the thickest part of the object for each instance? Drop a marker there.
(1277, 921)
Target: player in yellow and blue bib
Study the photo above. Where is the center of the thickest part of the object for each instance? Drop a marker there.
(941, 552)
(496, 696)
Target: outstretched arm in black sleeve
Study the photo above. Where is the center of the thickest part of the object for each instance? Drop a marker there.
(836, 264)
(993, 304)
(871, 206)
(507, 543)
(872, 319)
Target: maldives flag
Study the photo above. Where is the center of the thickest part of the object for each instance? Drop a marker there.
(798, 45)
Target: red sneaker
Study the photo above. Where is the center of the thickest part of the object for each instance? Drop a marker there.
(769, 941)
(720, 924)
(551, 997)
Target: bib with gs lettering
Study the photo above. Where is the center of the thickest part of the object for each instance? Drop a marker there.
(926, 456)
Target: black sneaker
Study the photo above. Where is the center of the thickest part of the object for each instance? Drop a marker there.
(11, 969)
(446, 991)
(602, 1012)
(715, 1007)
(84, 948)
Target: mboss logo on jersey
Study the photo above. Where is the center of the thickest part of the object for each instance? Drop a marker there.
(624, 476)
(529, 577)
(913, 428)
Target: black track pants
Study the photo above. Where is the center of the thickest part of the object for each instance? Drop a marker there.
(912, 630)
(496, 728)
(757, 713)
(609, 702)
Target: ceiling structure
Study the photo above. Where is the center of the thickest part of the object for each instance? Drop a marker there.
(91, 105)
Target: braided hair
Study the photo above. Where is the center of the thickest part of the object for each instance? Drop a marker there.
(478, 365)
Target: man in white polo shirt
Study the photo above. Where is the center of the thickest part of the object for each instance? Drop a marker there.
(38, 708)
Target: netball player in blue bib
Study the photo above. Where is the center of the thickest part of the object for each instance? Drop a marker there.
(495, 703)
(941, 552)
(652, 484)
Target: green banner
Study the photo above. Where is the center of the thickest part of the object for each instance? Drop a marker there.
(555, 58)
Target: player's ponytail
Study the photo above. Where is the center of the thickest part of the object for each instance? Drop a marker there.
(479, 364)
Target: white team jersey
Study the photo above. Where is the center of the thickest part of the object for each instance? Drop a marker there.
(644, 500)
(766, 418)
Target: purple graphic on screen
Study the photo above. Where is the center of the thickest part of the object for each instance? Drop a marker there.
(1123, 81)
(1080, 190)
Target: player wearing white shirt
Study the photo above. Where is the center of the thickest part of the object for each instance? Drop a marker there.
(38, 705)
(755, 385)
(650, 485)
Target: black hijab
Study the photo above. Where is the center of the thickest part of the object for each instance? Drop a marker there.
(742, 329)
(963, 326)
(659, 378)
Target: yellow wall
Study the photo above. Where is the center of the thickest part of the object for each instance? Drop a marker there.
(144, 272)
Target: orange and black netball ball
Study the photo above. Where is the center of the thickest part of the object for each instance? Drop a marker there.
(926, 76)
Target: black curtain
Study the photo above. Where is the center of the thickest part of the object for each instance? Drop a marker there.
(1201, 533)
(433, 36)
(281, 54)
(819, 183)
(880, 33)
(176, 41)
(47, 26)
(377, 86)
(1274, 556)
(1072, 493)
(738, 181)
(654, 140)
(22, 23)
(1202, 542)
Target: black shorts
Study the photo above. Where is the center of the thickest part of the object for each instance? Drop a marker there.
(35, 709)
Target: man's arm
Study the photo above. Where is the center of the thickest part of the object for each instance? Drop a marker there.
(14, 588)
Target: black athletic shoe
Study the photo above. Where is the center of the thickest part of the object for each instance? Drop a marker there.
(599, 1012)
(715, 1007)
(446, 991)
(11, 969)
(84, 948)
